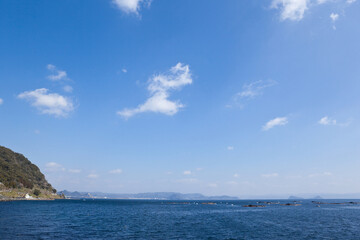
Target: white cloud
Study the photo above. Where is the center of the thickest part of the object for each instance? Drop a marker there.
(187, 172)
(295, 9)
(270, 175)
(291, 9)
(56, 75)
(334, 16)
(327, 121)
(230, 148)
(213, 185)
(74, 171)
(279, 121)
(159, 87)
(231, 183)
(53, 167)
(68, 88)
(1, 101)
(52, 164)
(188, 180)
(236, 175)
(116, 171)
(48, 103)
(324, 174)
(93, 176)
(124, 70)
(131, 6)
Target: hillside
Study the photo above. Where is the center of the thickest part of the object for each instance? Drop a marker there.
(19, 176)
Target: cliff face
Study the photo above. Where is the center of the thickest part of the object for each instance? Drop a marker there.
(18, 173)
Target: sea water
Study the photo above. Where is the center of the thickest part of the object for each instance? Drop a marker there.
(157, 219)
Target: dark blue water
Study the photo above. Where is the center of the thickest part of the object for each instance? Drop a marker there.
(129, 219)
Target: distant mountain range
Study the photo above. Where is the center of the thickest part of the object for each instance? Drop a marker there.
(295, 197)
(151, 195)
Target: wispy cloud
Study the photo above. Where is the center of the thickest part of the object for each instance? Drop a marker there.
(93, 175)
(159, 87)
(230, 148)
(231, 183)
(124, 70)
(53, 167)
(213, 185)
(187, 172)
(56, 74)
(291, 9)
(74, 171)
(68, 88)
(116, 171)
(327, 121)
(131, 6)
(294, 10)
(279, 121)
(270, 175)
(334, 16)
(1, 101)
(188, 180)
(251, 90)
(323, 174)
(48, 103)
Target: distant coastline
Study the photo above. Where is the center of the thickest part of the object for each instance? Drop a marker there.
(144, 196)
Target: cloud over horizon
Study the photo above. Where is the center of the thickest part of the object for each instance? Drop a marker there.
(74, 170)
(53, 167)
(270, 175)
(93, 175)
(116, 171)
(160, 87)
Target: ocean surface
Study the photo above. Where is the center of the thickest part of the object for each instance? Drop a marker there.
(147, 219)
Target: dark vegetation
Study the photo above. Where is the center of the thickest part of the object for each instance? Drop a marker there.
(16, 171)
(37, 192)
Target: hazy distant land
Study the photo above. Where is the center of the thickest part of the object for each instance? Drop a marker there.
(150, 195)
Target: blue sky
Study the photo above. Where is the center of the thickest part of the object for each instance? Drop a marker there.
(219, 97)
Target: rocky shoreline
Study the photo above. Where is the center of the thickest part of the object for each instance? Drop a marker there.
(11, 194)
(5, 199)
